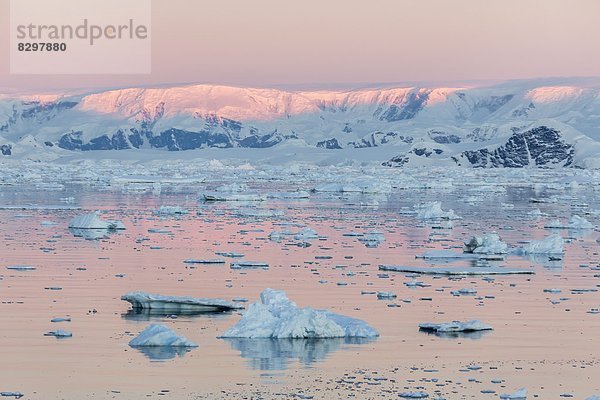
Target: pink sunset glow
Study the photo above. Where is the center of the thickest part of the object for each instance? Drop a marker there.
(271, 42)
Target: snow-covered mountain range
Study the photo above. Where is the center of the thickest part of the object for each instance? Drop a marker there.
(509, 125)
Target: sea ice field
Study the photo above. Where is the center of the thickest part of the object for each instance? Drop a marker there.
(208, 279)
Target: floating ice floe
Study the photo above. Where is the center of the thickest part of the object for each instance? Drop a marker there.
(275, 316)
(248, 265)
(303, 235)
(553, 244)
(233, 197)
(413, 395)
(207, 261)
(593, 398)
(59, 333)
(176, 304)
(434, 210)
(576, 222)
(258, 212)
(372, 239)
(16, 395)
(170, 210)
(386, 295)
(300, 194)
(21, 268)
(355, 187)
(520, 394)
(93, 221)
(456, 326)
(233, 192)
(160, 335)
(488, 244)
(456, 270)
(61, 319)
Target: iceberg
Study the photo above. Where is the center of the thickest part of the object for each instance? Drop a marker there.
(520, 394)
(160, 335)
(576, 222)
(455, 326)
(434, 210)
(275, 316)
(488, 244)
(174, 304)
(93, 221)
(552, 244)
(372, 239)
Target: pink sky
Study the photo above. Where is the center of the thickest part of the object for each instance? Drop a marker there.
(273, 42)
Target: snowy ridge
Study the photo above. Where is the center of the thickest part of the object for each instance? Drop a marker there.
(509, 125)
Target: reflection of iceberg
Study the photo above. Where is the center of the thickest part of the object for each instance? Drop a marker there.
(162, 353)
(277, 354)
(473, 335)
(144, 314)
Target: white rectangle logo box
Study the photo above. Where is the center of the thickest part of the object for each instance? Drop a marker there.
(80, 36)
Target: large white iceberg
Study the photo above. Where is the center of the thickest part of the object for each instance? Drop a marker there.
(93, 221)
(434, 210)
(160, 335)
(175, 304)
(275, 316)
(553, 244)
(488, 244)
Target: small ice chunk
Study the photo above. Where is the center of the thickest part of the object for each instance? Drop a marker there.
(59, 333)
(61, 319)
(93, 221)
(386, 295)
(171, 210)
(456, 326)
(520, 394)
(275, 316)
(160, 335)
